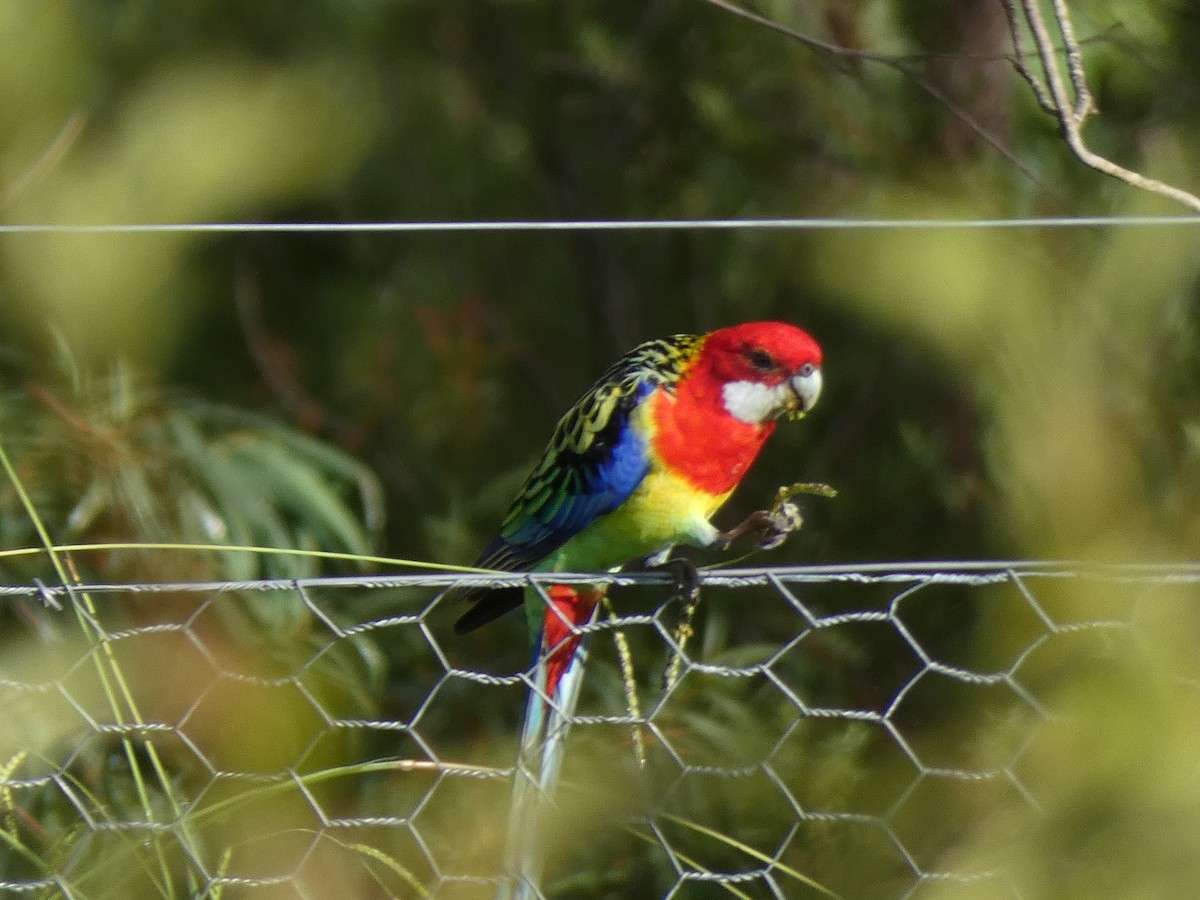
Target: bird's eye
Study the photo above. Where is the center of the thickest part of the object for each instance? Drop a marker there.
(761, 360)
(807, 369)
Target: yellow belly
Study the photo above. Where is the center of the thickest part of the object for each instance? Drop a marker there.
(664, 510)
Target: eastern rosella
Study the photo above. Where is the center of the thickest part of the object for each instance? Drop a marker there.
(648, 455)
(638, 465)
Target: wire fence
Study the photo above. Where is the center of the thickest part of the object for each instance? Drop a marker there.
(780, 223)
(833, 731)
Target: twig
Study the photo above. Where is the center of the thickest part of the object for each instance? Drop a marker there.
(73, 420)
(1020, 62)
(900, 64)
(1052, 94)
(271, 362)
(683, 631)
(625, 655)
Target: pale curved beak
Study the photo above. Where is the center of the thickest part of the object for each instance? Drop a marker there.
(807, 387)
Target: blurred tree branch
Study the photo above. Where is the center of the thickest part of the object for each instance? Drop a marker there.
(272, 358)
(1070, 109)
(901, 64)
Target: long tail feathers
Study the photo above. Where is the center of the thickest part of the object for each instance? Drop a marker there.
(489, 604)
(556, 678)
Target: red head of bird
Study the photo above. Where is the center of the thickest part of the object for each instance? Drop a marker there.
(724, 406)
(758, 371)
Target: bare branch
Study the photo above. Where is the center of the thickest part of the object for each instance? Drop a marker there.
(1072, 113)
(901, 64)
(1048, 55)
(1019, 61)
(800, 37)
(271, 358)
(887, 58)
(1083, 96)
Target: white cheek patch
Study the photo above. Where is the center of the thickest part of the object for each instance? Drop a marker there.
(752, 402)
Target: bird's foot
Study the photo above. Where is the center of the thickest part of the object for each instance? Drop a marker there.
(772, 526)
(684, 572)
(781, 521)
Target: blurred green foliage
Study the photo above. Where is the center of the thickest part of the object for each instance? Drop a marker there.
(989, 392)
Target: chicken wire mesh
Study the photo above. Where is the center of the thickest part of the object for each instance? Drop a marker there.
(870, 731)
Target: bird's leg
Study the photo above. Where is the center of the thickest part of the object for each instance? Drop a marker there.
(684, 573)
(770, 526)
(775, 524)
(756, 521)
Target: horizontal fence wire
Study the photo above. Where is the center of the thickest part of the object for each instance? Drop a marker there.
(752, 224)
(828, 731)
(969, 572)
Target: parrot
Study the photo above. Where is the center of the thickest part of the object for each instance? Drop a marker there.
(639, 465)
(645, 458)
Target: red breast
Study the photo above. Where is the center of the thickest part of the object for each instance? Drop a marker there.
(697, 439)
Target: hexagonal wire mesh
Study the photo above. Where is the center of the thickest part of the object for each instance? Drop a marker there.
(837, 731)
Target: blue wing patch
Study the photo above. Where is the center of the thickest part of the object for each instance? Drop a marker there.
(594, 463)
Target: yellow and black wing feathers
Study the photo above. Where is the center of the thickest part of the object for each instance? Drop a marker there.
(594, 461)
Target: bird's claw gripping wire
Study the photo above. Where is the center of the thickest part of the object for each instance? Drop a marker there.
(685, 575)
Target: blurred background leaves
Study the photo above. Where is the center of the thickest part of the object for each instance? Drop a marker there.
(991, 393)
